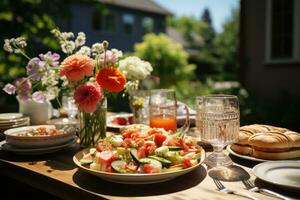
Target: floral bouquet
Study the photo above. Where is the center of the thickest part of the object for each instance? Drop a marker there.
(89, 73)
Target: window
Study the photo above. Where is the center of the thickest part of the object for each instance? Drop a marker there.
(128, 23)
(97, 20)
(109, 22)
(147, 24)
(283, 30)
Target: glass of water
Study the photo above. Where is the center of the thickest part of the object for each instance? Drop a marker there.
(220, 118)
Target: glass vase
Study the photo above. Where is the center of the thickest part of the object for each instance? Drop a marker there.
(93, 125)
(139, 107)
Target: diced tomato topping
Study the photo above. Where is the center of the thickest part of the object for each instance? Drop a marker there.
(142, 152)
(130, 133)
(186, 162)
(119, 121)
(150, 148)
(148, 168)
(159, 138)
(106, 157)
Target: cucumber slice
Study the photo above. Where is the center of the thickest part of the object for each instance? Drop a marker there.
(173, 169)
(133, 153)
(175, 148)
(151, 161)
(163, 161)
(118, 166)
(87, 159)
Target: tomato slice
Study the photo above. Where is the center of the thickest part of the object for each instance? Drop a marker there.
(142, 152)
(148, 168)
(119, 121)
(159, 138)
(106, 157)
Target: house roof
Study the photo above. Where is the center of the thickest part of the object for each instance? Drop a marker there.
(144, 5)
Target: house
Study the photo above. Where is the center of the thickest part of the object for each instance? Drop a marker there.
(122, 22)
(270, 48)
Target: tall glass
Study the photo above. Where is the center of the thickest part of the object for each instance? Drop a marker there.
(163, 109)
(198, 121)
(220, 126)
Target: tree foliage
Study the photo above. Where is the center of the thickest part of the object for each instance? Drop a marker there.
(169, 60)
(227, 45)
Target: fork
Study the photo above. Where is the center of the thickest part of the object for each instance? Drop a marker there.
(252, 188)
(222, 188)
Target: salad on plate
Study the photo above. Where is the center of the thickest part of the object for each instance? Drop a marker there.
(140, 149)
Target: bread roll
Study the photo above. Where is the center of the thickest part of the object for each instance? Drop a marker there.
(295, 137)
(294, 153)
(241, 149)
(270, 140)
(247, 131)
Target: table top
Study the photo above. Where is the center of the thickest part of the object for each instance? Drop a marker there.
(57, 174)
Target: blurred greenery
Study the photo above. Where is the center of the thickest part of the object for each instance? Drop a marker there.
(168, 59)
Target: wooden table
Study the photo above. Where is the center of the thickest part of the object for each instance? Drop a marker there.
(57, 174)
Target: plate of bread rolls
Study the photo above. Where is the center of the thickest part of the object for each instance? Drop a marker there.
(260, 142)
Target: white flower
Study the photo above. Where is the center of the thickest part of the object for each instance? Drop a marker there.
(67, 35)
(68, 47)
(52, 92)
(132, 86)
(65, 81)
(117, 53)
(80, 40)
(134, 68)
(97, 49)
(84, 51)
(50, 78)
(7, 47)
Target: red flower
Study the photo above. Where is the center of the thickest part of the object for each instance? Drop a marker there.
(111, 79)
(75, 67)
(88, 96)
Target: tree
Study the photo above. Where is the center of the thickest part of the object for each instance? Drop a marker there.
(169, 60)
(209, 32)
(227, 45)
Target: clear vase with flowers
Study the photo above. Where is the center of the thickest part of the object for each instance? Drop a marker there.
(136, 70)
(89, 73)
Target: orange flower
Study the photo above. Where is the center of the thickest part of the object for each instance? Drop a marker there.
(111, 79)
(76, 67)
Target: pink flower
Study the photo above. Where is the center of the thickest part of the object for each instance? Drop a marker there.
(76, 67)
(88, 96)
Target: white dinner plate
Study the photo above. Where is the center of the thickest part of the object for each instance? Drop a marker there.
(281, 173)
(133, 178)
(10, 116)
(244, 156)
(36, 151)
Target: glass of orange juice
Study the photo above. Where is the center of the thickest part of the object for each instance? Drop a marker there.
(163, 109)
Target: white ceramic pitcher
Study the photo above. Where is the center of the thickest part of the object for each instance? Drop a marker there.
(39, 113)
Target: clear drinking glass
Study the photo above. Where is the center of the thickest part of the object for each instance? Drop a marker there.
(220, 118)
(198, 121)
(163, 109)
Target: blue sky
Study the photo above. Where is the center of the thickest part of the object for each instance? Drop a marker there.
(219, 9)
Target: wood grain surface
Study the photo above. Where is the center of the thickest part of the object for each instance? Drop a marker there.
(57, 174)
